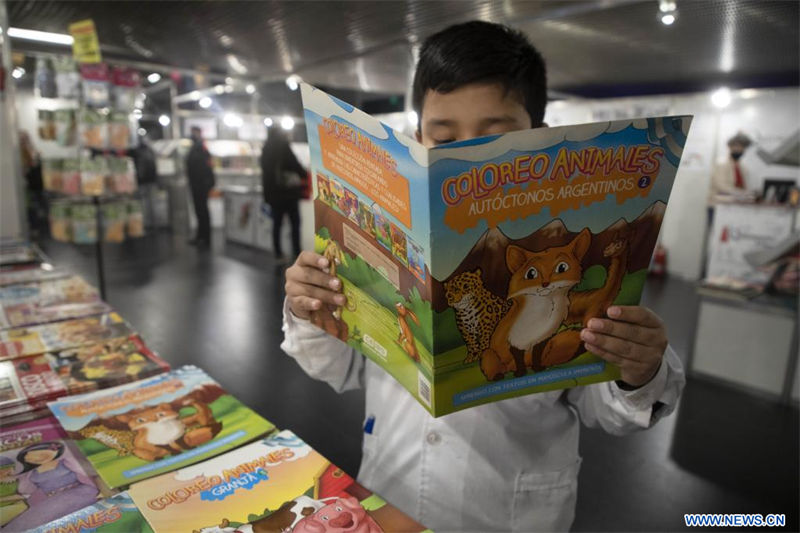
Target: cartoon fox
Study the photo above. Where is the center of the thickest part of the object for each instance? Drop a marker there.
(406, 337)
(542, 300)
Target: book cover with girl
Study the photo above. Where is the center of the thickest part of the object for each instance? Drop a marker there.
(41, 477)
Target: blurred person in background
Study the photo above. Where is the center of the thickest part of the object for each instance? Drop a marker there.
(283, 180)
(34, 186)
(144, 159)
(201, 181)
(728, 176)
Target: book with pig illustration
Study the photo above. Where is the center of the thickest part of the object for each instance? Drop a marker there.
(143, 429)
(276, 484)
(117, 514)
(488, 256)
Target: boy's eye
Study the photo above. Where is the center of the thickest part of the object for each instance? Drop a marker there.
(562, 267)
(442, 141)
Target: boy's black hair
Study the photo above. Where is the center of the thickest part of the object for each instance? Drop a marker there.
(482, 52)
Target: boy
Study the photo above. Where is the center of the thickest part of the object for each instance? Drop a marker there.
(510, 465)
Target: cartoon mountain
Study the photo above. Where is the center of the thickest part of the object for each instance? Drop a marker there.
(488, 254)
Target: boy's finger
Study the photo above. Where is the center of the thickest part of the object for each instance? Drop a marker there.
(626, 331)
(311, 259)
(612, 358)
(312, 276)
(618, 347)
(635, 314)
(324, 295)
(304, 303)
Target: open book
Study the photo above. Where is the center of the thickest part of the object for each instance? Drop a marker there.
(470, 268)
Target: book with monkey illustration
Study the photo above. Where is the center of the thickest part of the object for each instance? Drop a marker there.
(488, 256)
(277, 484)
(117, 514)
(143, 429)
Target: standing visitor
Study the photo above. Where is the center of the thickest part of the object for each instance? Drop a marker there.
(201, 181)
(284, 181)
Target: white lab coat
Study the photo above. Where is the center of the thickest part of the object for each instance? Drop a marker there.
(723, 180)
(506, 466)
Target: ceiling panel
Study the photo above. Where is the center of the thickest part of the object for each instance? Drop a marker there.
(608, 47)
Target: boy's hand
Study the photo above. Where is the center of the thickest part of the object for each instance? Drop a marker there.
(309, 286)
(633, 338)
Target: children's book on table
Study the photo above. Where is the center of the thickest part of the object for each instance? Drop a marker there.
(277, 484)
(42, 475)
(470, 268)
(143, 429)
(117, 514)
(65, 335)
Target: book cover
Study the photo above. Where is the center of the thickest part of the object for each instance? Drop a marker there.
(41, 476)
(26, 383)
(106, 364)
(488, 255)
(142, 429)
(19, 342)
(276, 484)
(44, 272)
(72, 289)
(47, 301)
(117, 514)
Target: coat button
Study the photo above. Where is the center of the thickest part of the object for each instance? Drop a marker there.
(433, 438)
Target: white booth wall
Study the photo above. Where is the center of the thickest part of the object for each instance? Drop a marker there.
(768, 116)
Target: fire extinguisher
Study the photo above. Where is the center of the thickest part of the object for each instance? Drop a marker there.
(658, 267)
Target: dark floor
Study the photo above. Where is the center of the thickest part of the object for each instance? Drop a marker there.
(723, 451)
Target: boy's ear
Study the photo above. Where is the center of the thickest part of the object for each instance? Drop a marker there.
(418, 135)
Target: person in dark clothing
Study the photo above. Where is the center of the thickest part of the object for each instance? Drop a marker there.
(34, 185)
(201, 181)
(284, 181)
(144, 159)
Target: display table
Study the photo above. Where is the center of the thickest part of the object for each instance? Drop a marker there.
(748, 343)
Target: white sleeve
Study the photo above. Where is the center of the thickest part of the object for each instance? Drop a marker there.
(618, 411)
(320, 355)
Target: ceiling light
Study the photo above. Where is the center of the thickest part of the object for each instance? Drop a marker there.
(219, 89)
(236, 65)
(667, 19)
(205, 102)
(195, 95)
(287, 123)
(413, 119)
(142, 132)
(666, 6)
(17, 73)
(232, 120)
(250, 88)
(293, 82)
(41, 36)
(137, 113)
(268, 122)
(748, 93)
(721, 97)
(229, 88)
(229, 80)
(164, 120)
(155, 77)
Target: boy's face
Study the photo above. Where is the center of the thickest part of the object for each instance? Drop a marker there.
(470, 111)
